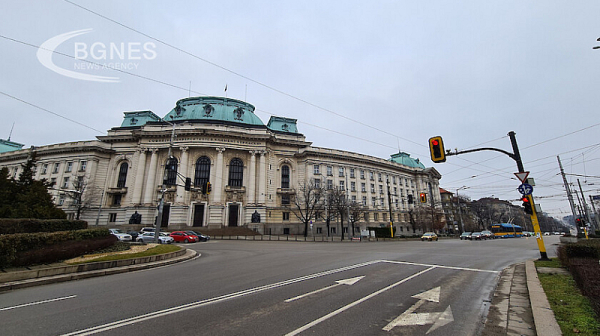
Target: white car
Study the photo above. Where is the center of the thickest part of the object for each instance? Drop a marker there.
(148, 237)
(120, 234)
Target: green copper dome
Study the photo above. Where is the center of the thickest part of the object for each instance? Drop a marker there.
(405, 159)
(214, 109)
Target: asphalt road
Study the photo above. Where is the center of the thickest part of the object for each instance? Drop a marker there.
(282, 288)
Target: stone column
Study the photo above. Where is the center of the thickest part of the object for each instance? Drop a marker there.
(183, 170)
(252, 178)
(139, 177)
(262, 178)
(151, 181)
(217, 189)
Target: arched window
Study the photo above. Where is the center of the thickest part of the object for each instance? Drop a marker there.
(171, 169)
(122, 175)
(202, 171)
(285, 177)
(236, 172)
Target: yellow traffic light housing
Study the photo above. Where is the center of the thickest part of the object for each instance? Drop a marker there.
(436, 148)
(423, 197)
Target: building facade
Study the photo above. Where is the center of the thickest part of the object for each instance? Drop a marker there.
(253, 171)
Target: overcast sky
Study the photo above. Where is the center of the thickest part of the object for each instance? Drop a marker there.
(372, 77)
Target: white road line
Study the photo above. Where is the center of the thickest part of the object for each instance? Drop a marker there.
(438, 266)
(39, 302)
(193, 305)
(326, 317)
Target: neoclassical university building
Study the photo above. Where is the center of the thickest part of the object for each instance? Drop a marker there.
(252, 168)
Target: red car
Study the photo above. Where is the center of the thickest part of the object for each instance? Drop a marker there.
(183, 237)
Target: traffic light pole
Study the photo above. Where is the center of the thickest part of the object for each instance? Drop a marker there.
(517, 157)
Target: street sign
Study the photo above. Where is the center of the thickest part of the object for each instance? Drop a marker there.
(525, 189)
(522, 176)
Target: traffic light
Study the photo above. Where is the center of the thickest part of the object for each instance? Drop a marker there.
(527, 205)
(436, 148)
(188, 184)
(578, 222)
(423, 197)
(208, 188)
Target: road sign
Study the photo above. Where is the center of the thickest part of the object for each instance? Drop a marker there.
(525, 189)
(522, 176)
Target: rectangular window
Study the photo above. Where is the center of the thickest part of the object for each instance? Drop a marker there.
(379, 177)
(342, 185)
(384, 217)
(44, 168)
(316, 170)
(374, 201)
(380, 189)
(363, 187)
(341, 171)
(372, 188)
(351, 172)
(286, 216)
(285, 199)
(371, 176)
(376, 217)
(364, 200)
(53, 181)
(117, 199)
(352, 186)
(65, 183)
(333, 230)
(366, 216)
(82, 166)
(382, 201)
(329, 184)
(112, 217)
(317, 184)
(56, 166)
(395, 190)
(329, 171)
(61, 199)
(319, 230)
(353, 198)
(69, 167)
(362, 174)
(394, 179)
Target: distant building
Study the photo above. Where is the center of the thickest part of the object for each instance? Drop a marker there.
(253, 169)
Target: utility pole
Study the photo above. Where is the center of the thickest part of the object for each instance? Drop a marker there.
(585, 207)
(350, 227)
(390, 208)
(569, 194)
(432, 203)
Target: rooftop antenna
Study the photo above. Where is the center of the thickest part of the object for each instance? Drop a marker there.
(11, 130)
(190, 90)
(246, 94)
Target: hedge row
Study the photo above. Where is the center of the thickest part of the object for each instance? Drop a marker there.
(582, 260)
(31, 225)
(13, 247)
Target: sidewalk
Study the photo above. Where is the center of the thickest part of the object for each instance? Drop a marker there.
(61, 273)
(519, 305)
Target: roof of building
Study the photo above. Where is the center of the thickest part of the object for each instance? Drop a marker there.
(138, 118)
(281, 124)
(214, 109)
(405, 159)
(444, 191)
(9, 146)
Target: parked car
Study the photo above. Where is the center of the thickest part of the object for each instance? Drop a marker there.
(488, 234)
(147, 229)
(429, 236)
(201, 237)
(546, 233)
(465, 236)
(120, 234)
(527, 234)
(148, 237)
(477, 236)
(183, 237)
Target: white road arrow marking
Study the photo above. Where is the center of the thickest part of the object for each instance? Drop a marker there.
(410, 318)
(348, 282)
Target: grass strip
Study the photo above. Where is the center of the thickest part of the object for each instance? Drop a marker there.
(160, 249)
(553, 263)
(572, 310)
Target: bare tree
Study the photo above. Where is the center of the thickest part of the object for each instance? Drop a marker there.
(306, 203)
(356, 211)
(82, 195)
(339, 202)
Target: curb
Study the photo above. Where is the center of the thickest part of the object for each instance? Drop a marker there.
(543, 316)
(68, 273)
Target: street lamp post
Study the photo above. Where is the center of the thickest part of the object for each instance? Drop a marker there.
(163, 188)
